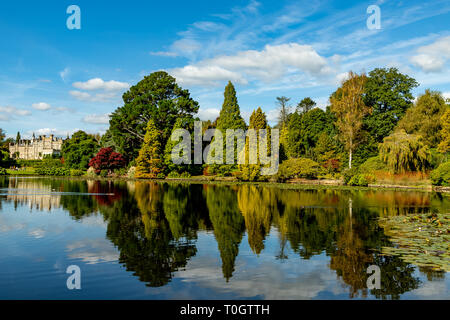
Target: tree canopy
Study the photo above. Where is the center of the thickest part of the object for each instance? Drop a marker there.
(405, 152)
(305, 105)
(424, 118)
(347, 103)
(388, 93)
(149, 162)
(78, 150)
(157, 97)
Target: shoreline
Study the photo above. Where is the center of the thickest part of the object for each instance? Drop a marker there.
(291, 184)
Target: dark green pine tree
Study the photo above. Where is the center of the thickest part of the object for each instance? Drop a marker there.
(230, 115)
(18, 137)
(229, 118)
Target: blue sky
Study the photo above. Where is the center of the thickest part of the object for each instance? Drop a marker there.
(56, 80)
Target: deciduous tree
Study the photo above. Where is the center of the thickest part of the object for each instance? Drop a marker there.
(444, 145)
(79, 150)
(388, 93)
(107, 159)
(347, 103)
(157, 97)
(424, 118)
(405, 152)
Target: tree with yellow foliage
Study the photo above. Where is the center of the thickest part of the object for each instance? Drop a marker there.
(348, 105)
(444, 146)
(148, 163)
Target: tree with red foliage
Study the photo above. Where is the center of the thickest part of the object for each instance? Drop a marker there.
(107, 159)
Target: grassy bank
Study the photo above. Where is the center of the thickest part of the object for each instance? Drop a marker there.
(26, 172)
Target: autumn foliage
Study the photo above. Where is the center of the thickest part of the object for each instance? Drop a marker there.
(107, 159)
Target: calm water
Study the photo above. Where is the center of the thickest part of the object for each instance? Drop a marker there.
(142, 240)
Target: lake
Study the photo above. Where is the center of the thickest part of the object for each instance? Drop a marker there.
(147, 240)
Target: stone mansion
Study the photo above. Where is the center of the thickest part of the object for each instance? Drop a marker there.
(36, 149)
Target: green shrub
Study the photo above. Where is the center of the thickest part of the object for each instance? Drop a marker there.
(441, 175)
(76, 173)
(185, 175)
(160, 176)
(131, 172)
(361, 180)
(29, 163)
(173, 174)
(48, 163)
(104, 173)
(52, 171)
(3, 172)
(120, 172)
(348, 174)
(91, 173)
(373, 164)
(437, 158)
(299, 168)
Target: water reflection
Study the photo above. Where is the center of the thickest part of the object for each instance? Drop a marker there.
(155, 226)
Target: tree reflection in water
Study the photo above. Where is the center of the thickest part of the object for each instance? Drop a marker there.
(155, 226)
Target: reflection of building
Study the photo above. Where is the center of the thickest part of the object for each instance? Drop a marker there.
(36, 149)
(33, 193)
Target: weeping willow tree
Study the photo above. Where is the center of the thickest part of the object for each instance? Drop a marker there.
(405, 152)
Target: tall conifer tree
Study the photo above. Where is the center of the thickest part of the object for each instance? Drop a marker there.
(148, 163)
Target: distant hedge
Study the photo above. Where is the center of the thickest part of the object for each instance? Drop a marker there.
(53, 171)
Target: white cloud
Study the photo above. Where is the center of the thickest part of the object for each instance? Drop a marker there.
(205, 75)
(433, 57)
(97, 118)
(268, 65)
(98, 97)
(208, 114)
(54, 131)
(272, 115)
(187, 46)
(84, 96)
(100, 84)
(8, 112)
(63, 74)
(62, 109)
(341, 77)
(43, 106)
(37, 233)
(93, 251)
(165, 54)
(106, 90)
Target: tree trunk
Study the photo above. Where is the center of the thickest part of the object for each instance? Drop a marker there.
(350, 159)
